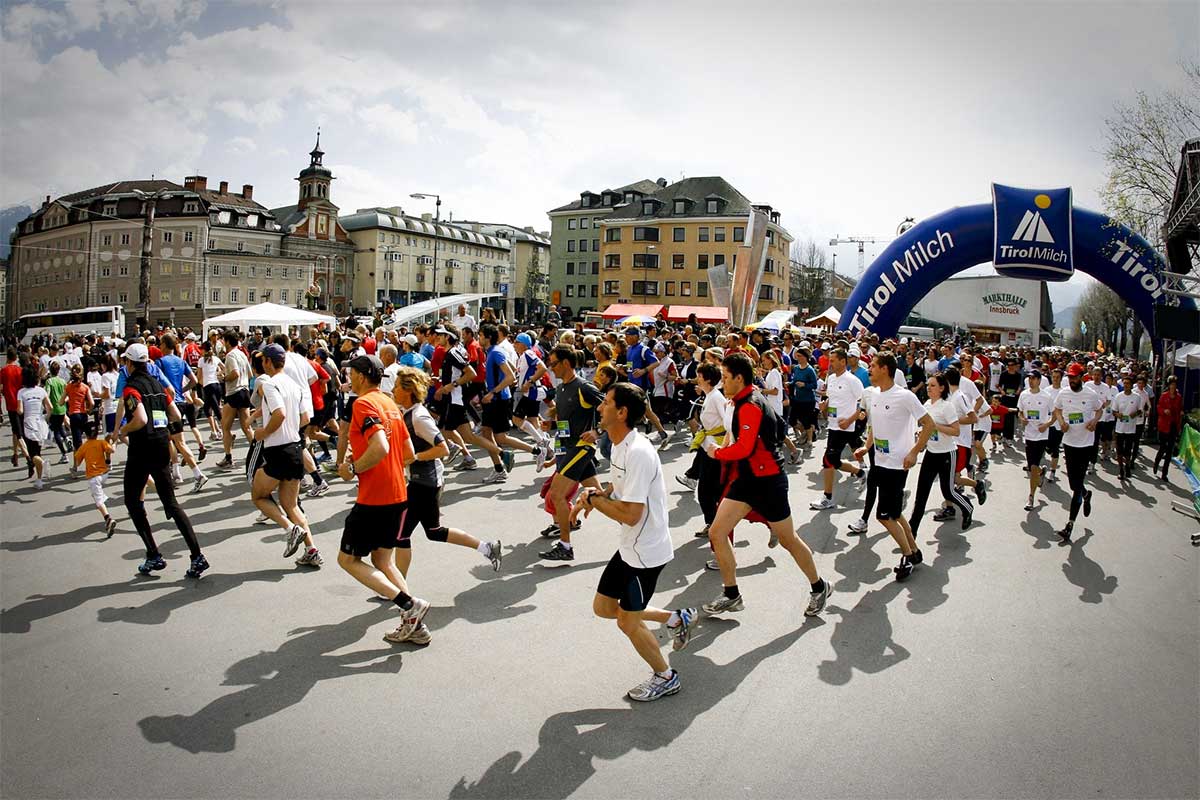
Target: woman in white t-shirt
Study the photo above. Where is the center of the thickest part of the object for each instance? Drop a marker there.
(940, 451)
(33, 403)
(776, 396)
(212, 373)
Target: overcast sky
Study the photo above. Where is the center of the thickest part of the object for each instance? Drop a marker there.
(847, 117)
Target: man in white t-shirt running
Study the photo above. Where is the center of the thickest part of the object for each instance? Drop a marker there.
(1078, 410)
(1036, 408)
(637, 499)
(892, 412)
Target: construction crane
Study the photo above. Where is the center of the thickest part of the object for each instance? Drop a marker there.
(860, 241)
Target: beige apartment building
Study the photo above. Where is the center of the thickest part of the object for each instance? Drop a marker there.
(211, 250)
(659, 247)
(525, 295)
(403, 259)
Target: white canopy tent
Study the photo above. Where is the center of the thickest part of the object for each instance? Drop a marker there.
(830, 314)
(407, 314)
(1188, 356)
(268, 315)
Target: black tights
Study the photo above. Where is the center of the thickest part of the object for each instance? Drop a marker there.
(872, 487)
(941, 466)
(1166, 449)
(1077, 459)
(154, 464)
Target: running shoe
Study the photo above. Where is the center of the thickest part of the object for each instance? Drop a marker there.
(558, 553)
(38, 484)
(507, 458)
(1065, 533)
(1029, 504)
(420, 636)
(967, 519)
(203, 452)
(773, 541)
(722, 604)
(415, 613)
(824, 504)
(904, 569)
(981, 490)
(944, 513)
(984, 465)
(225, 463)
(455, 456)
(319, 490)
(200, 483)
(294, 538)
(110, 527)
(689, 483)
(817, 600)
(551, 531)
(262, 519)
(1052, 477)
(702, 533)
(321, 459)
(467, 464)
(858, 527)
(665, 443)
(310, 558)
(916, 557)
(656, 687)
(861, 477)
(682, 633)
(63, 459)
(150, 564)
(794, 458)
(712, 566)
(412, 634)
(199, 564)
(495, 476)
(306, 483)
(495, 555)
(1087, 503)
(545, 456)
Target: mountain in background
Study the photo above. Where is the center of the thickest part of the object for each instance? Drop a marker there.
(9, 217)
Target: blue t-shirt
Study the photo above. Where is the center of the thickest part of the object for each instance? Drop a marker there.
(427, 351)
(639, 357)
(174, 368)
(863, 376)
(944, 364)
(413, 359)
(151, 368)
(494, 372)
(806, 393)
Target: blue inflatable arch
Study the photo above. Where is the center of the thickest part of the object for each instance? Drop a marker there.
(955, 240)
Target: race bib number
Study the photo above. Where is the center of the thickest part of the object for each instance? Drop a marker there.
(158, 418)
(562, 432)
(832, 411)
(996, 418)
(1033, 414)
(1075, 418)
(1010, 392)
(883, 446)
(936, 436)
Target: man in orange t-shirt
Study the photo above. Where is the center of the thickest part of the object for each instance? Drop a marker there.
(379, 447)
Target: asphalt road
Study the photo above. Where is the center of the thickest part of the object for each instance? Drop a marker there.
(1007, 666)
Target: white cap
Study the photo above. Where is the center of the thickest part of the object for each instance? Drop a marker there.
(903, 340)
(826, 346)
(854, 351)
(411, 339)
(191, 336)
(807, 344)
(137, 353)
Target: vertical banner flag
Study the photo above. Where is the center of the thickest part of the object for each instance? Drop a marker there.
(1033, 236)
(748, 271)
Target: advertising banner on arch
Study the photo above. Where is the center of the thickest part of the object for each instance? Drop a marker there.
(1033, 236)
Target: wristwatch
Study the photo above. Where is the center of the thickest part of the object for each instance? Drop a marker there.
(350, 463)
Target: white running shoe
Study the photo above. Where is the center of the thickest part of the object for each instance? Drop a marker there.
(824, 504)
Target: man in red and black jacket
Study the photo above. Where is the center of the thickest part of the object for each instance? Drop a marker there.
(1170, 425)
(754, 482)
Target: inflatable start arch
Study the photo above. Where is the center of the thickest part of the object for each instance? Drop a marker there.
(1027, 233)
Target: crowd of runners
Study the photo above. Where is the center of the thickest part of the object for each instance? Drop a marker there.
(394, 410)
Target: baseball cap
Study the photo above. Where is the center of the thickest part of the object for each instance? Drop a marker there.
(525, 339)
(191, 337)
(447, 333)
(903, 340)
(1075, 370)
(632, 330)
(1036, 373)
(276, 353)
(411, 340)
(137, 353)
(370, 367)
(826, 345)
(854, 351)
(660, 348)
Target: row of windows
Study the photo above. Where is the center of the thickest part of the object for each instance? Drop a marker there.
(252, 295)
(462, 249)
(252, 271)
(583, 268)
(650, 288)
(678, 234)
(582, 223)
(580, 290)
(583, 245)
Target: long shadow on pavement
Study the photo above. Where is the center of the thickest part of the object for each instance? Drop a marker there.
(159, 609)
(274, 681)
(862, 638)
(566, 754)
(1087, 574)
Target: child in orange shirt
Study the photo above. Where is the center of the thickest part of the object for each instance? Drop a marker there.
(95, 452)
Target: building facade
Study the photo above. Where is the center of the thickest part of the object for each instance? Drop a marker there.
(575, 243)
(209, 251)
(311, 231)
(658, 247)
(811, 290)
(995, 309)
(402, 259)
(525, 295)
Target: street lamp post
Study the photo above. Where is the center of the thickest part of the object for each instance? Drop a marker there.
(437, 217)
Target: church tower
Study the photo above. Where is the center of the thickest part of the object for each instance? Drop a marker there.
(315, 179)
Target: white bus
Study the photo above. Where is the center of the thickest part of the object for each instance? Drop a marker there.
(79, 321)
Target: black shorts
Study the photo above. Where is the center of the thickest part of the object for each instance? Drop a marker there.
(837, 441)
(1106, 429)
(17, 420)
(283, 462)
(768, 495)
(454, 417)
(348, 408)
(34, 448)
(890, 485)
(578, 464)
(320, 417)
(631, 587)
(497, 415)
(1055, 441)
(1034, 450)
(803, 413)
(188, 412)
(239, 399)
(528, 408)
(174, 427)
(212, 399)
(423, 507)
(980, 435)
(370, 528)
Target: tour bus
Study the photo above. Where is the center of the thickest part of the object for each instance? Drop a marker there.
(81, 321)
(916, 332)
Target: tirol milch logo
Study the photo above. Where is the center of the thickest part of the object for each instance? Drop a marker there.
(1032, 228)
(1004, 303)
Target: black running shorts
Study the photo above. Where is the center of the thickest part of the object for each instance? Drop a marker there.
(1034, 450)
(890, 485)
(370, 528)
(836, 441)
(528, 408)
(283, 462)
(631, 587)
(497, 415)
(239, 399)
(767, 495)
(454, 418)
(578, 464)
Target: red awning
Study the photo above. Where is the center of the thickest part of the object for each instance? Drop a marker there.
(622, 310)
(703, 313)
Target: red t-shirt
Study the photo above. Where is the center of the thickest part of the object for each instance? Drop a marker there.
(191, 354)
(999, 412)
(369, 345)
(317, 387)
(475, 356)
(10, 378)
(382, 484)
